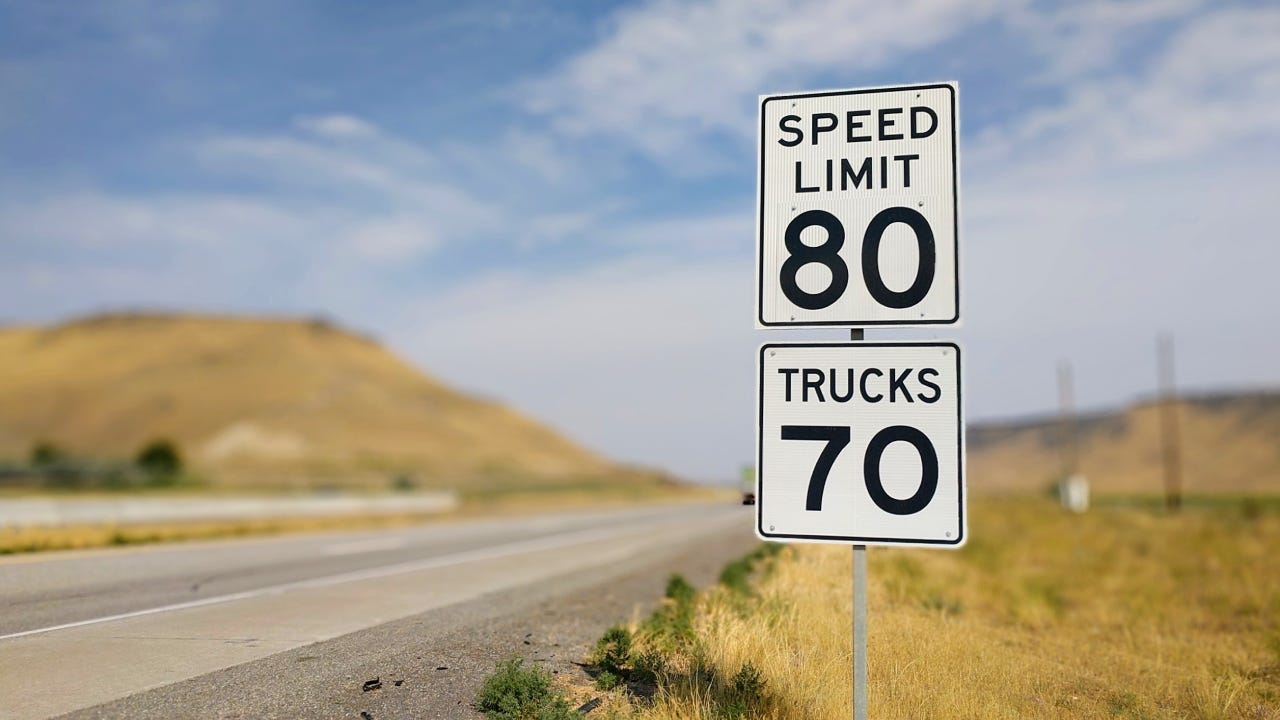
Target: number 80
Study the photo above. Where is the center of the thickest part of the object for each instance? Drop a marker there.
(828, 255)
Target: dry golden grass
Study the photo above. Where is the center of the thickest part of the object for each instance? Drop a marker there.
(1113, 614)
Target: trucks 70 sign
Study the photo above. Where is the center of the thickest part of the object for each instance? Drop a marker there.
(857, 208)
(861, 443)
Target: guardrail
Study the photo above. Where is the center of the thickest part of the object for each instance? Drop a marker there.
(53, 512)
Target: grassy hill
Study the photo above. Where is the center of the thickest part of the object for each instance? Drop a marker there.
(276, 401)
(1230, 444)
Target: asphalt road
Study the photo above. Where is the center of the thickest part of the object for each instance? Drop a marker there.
(290, 626)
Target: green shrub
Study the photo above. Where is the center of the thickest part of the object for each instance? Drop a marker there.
(679, 589)
(613, 650)
(516, 692)
(744, 693)
(45, 453)
(159, 459)
(648, 666)
(671, 625)
(748, 683)
(737, 575)
(607, 680)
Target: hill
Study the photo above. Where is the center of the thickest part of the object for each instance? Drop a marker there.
(1230, 444)
(278, 401)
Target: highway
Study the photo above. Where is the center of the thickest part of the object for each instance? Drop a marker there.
(168, 631)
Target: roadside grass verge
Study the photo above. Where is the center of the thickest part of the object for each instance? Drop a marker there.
(1118, 613)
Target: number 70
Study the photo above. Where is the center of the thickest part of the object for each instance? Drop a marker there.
(837, 438)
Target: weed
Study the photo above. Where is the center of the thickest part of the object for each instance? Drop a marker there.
(1126, 704)
(607, 680)
(516, 692)
(679, 589)
(613, 651)
(671, 625)
(648, 667)
(736, 576)
(939, 602)
(748, 684)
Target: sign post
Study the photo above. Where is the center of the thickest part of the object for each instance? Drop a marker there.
(859, 443)
(859, 614)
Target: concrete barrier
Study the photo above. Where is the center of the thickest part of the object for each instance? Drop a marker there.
(52, 512)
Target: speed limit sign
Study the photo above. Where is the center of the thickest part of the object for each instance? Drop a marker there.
(861, 443)
(857, 221)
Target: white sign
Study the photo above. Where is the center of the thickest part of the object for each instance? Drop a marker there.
(861, 443)
(857, 208)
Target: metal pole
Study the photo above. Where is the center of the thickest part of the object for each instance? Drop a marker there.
(859, 616)
(1067, 422)
(859, 632)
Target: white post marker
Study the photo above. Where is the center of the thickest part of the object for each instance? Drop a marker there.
(861, 443)
(857, 221)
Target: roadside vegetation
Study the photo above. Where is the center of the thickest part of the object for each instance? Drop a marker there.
(518, 692)
(1123, 612)
(51, 467)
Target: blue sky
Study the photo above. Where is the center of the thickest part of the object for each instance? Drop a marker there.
(552, 203)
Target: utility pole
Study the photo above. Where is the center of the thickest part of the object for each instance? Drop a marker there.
(1170, 440)
(1067, 422)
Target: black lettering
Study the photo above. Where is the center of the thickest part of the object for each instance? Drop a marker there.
(787, 373)
(812, 379)
(836, 438)
(835, 391)
(886, 122)
(916, 132)
(862, 385)
(871, 257)
(782, 125)
(800, 188)
(906, 167)
(851, 125)
(827, 254)
(830, 164)
(847, 173)
(819, 128)
(937, 391)
(928, 470)
(884, 171)
(898, 383)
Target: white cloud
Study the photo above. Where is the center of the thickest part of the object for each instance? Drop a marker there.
(392, 239)
(1080, 38)
(373, 172)
(94, 221)
(668, 74)
(337, 126)
(1216, 84)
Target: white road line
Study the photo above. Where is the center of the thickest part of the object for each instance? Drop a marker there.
(357, 547)
(492, 553)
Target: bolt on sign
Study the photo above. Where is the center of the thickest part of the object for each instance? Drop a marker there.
(858, 208)
(861, 443)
